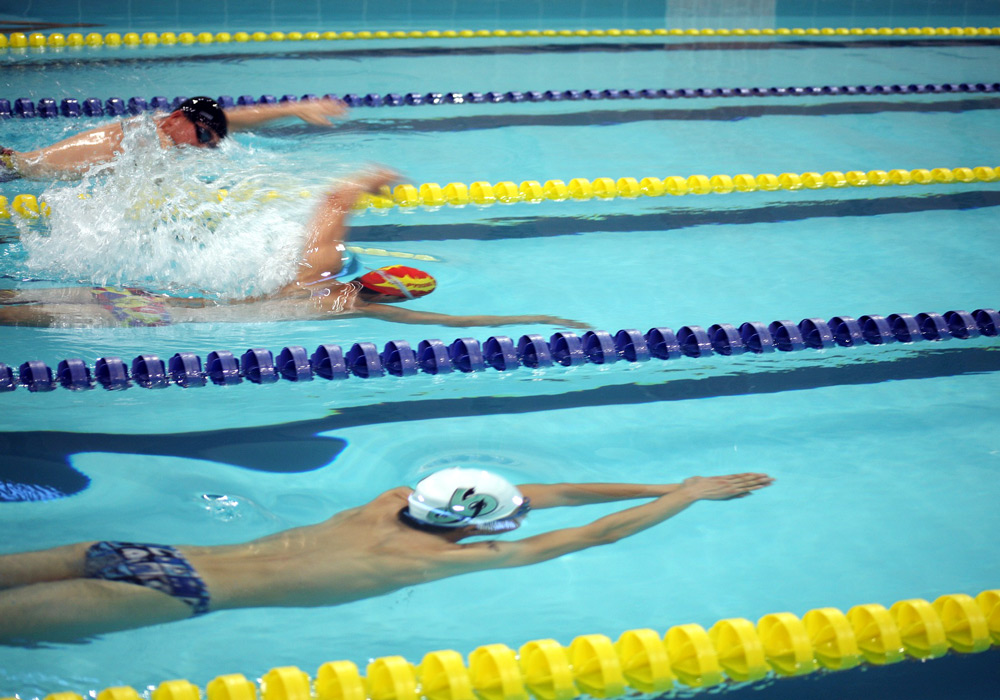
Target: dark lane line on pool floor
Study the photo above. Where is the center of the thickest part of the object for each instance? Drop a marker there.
(955, 677)
(670, 220)
(617, 117)
(36, 464)
(452, 50)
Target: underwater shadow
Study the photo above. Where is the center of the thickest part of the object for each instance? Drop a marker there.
(615, 117)
(673, 220)
(36, 465)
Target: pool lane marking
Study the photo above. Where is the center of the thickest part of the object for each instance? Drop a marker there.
(432, 196)
(117, 107)
(38, 40)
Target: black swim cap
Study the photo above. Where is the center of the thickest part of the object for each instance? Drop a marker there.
(206, 111)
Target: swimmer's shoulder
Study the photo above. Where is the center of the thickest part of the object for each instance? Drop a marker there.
(393, 496)
(391, 500)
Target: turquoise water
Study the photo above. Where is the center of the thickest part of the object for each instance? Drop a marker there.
(884, 456)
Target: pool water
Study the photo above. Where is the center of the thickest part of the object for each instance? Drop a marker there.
(885, 456)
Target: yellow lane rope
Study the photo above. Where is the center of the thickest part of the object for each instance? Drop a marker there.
(642, 660)
(432, 195)
(19, 40)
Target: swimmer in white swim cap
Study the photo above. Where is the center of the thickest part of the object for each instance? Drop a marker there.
(402, 537)
(456, 497)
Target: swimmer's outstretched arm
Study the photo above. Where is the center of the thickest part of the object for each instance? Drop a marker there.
(399, 315)
(317, 112)
(557, 495)
(614, 527)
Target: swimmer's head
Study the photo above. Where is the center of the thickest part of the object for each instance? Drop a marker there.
(456, 498)
(398, 282)
(210, 123)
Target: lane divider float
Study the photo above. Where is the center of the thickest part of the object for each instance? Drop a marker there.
(433, 196)
(49, 108)
(37, 40)
(398, 358)
(641, 660)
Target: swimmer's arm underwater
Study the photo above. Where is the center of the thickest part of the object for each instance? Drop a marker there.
(557, 495)
(617, 526)
(317, 112)
(394, 313)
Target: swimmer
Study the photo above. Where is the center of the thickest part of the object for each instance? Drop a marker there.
(402, 538)
(319, 291)
(197, 122)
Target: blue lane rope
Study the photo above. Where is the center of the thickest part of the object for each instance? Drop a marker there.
(48, 107)
(499, 352)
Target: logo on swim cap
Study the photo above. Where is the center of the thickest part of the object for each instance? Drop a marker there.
(456, 497)
(463, 505)
(399, 281)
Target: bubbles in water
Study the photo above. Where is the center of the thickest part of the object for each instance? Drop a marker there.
(221, 506)
(183, 220)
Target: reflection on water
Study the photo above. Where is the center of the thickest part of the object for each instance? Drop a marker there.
(183, 220)
(231, 507)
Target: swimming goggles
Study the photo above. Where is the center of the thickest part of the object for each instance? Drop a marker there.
(510, 522)
(205, 136)
(450, 521)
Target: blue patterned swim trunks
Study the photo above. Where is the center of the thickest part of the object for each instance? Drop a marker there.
(152, 566)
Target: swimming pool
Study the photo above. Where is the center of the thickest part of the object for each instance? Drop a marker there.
(884, 454)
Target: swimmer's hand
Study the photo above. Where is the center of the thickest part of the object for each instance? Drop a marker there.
(375, 178)
(343, 195)
(318, 112)
(724, 488)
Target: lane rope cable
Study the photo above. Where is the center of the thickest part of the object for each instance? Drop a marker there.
(398, 358)
(37, 40)
(641, 660)
(48, 108)
(433, 196)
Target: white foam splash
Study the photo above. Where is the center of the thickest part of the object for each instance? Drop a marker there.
(154, 218)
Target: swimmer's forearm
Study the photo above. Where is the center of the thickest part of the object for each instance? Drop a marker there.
(72, 156)
(557, 495)
(606, 530)
(480, 320)
(36, 164)
(248, 116)
(630, 521)
(318, 112)
(387, 312)
(427, 317)
(394, 313)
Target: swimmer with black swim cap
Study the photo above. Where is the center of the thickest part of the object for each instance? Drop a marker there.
(198, 122)
(210, 123)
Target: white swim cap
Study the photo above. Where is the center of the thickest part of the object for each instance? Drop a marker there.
(457, 497)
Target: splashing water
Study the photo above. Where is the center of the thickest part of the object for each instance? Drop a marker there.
(181, 220)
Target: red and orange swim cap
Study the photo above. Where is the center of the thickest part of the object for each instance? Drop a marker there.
(399, 281)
